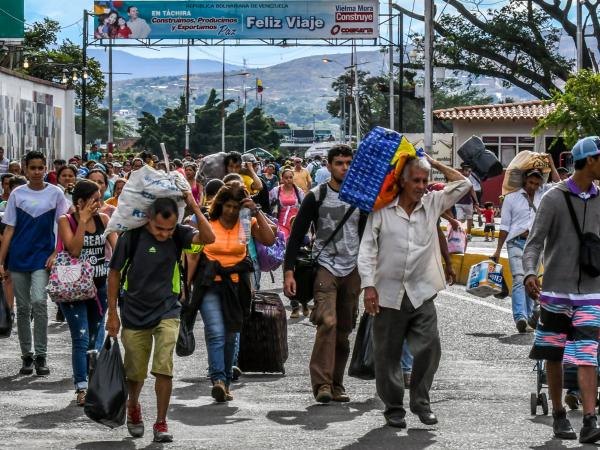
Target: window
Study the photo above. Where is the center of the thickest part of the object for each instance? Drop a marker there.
(506, 147)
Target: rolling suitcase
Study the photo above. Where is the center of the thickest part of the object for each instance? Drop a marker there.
(263, 341)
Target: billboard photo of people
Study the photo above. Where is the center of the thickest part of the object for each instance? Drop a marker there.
(234, 19)
(115, 24)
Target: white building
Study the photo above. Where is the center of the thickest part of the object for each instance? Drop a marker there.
(36, 115)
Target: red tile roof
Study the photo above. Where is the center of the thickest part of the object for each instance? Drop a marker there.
(534, 109)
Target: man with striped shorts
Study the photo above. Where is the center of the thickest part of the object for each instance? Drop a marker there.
(569, 323)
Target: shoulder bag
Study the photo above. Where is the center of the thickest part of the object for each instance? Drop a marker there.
(306, 266)
(589, 244)
(71, 279)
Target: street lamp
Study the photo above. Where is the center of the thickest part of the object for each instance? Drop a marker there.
(342, 97)
(356, 98)
(242, 74)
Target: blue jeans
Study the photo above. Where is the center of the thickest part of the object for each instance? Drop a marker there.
(522, 305)
(407, 359)
(220, 344)
(102, 298)
(85, 320)
(30, 293)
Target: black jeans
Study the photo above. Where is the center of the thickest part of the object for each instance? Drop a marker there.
(390, 329)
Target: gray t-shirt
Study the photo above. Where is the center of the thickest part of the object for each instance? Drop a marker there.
(340, 255)
(152, 286)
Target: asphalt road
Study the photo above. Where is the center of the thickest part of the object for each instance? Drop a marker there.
(480, 394)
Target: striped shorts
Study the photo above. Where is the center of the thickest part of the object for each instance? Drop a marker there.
(567, 333)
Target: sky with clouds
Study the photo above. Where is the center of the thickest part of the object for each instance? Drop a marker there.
(68, 12)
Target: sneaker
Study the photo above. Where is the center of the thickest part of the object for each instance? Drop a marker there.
(236, 373)
(228, 395)
(406, 376)
(27, 367)
(324, 394)
(135, 423)
(521, 325)
(572, 399)
(81, 393)
(41, 368)
(590, 432)
(295, 313)
(561, 426)
(161, 432)
(305, 310)
(338, 394)
(219, 392)
(535, 317)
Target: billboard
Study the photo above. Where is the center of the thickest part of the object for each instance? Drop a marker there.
(12, 20)
(228, 19)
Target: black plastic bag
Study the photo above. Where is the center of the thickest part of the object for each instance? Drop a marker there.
(106, 399)
(186, 342)
(362, 365)
(6, 316)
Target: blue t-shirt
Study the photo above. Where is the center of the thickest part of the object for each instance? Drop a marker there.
(33, 214)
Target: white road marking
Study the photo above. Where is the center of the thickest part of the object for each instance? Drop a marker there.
(478, 302)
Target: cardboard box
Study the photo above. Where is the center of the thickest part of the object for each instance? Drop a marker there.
(485, 279)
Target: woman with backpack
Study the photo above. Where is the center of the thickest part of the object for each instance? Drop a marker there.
(82, 235)
(285, 200)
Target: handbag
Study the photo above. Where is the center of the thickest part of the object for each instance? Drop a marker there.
(306, 265)
(71, 279)
(589, 245)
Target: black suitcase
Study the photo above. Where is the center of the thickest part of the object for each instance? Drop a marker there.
(263, 341)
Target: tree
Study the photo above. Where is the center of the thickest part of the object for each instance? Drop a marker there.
(518, 43)
(205, 134)
(577, 109)
(374, 101)
(47, 59)
(97, 126)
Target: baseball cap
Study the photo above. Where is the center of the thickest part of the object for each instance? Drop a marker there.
(588, 146)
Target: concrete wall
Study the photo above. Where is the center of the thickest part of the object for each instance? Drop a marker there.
(36, 115)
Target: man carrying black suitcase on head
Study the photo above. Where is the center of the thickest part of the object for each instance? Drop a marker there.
(337, 283)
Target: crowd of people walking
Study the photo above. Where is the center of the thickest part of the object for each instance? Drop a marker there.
(397, 256)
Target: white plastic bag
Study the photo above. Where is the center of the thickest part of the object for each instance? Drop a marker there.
(144, 186)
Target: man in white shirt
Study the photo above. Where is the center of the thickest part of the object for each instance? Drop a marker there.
(517, 216)
(401, 272)
(139, 28)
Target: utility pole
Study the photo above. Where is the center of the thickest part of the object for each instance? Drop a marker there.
(84, 85)
(245, 101)
(187, 101)
(401, 71)
(223, 106)
(110, 97)
(391, 49)
(428, 138)
(579, 7)
(356, 97)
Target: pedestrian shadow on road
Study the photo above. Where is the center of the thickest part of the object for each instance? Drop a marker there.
(125, 444)
(388, 437)
(22, 383)
(319, 417)
(205, 415)
(198, 387)
(513, 339)
(53, 419)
